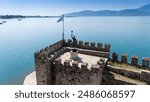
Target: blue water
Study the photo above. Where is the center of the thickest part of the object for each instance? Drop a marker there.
(20, 39)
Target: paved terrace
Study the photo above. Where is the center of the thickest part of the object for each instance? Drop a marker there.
(82, 58)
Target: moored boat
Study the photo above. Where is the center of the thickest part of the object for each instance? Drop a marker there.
(19, 19)
(3, 21)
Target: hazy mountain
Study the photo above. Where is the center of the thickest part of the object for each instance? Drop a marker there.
(142, 11)
(145, 8)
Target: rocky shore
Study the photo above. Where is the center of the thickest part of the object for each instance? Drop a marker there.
(30, 79)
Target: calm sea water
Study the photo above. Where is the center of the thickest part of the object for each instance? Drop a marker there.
(20, 39)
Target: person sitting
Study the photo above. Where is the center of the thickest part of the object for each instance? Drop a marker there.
(74, 40)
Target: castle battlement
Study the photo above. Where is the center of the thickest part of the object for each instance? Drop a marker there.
(134, 60)
(89, 45)
(70, 73)
(49, 69)
(55, 65)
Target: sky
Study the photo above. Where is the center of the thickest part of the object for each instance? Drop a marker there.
(58, 7)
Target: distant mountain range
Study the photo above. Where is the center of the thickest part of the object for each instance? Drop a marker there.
(141, 11)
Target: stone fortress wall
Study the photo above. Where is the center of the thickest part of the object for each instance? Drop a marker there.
(134, 60)
(143, 74)
(46, 63)
(51, 70)
(67, 74)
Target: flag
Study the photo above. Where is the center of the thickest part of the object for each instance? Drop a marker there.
(61, 19)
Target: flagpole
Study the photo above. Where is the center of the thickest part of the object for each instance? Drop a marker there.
(61, 19)
(63, 31)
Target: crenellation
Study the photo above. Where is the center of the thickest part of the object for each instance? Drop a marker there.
(115, 57)
(36, 54)
(101, 62)
(107, 47)
(75, 64)
(89, 46)
(50, 49)
(124, 58)
(42, 51)
(74, 67)
(99, 46)
(84, 66)
(58, 61)
(95, 67)
(67, 63)
(80, 44)
(86, 44)
(134, 60)
(47, 49)
(93, 45)
(145, 62)
(60, 44)
(55, 47)
(74, 75)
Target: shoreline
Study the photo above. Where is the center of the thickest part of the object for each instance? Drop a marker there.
(30, 79)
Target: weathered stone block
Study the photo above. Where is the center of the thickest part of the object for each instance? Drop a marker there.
(50, 49)
(115, 57)
(75, 64)
(36, 54)
(81, 44)
(92, 45)
(101, 61)
(134, 60)
(84, 66)
(58, 61)
(145, 62)
(124, 58)
(43, 51)
(86, 44)
(67, 63)
(55, 47)
(95, 68)
(47, 49)
(107, 47)
(100, 46)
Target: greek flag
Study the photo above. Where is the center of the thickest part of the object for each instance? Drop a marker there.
(61, 19)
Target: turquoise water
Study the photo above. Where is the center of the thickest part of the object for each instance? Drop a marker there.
(20, 39)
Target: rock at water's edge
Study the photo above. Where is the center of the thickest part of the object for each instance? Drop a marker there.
(30, 79)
